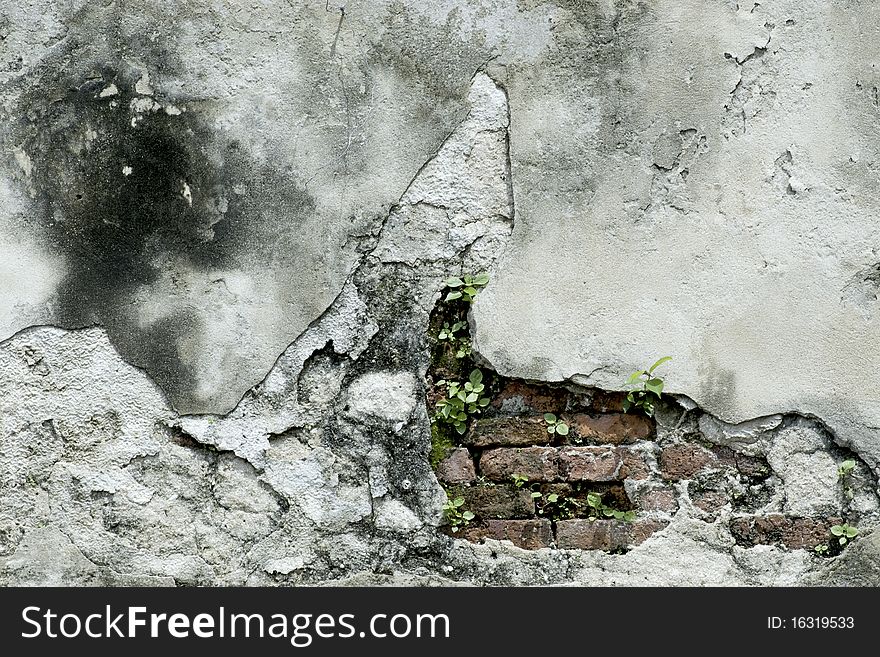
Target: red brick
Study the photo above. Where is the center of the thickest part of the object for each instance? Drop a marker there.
(589, 464)
(519, 397)
(616, 428)
(527, 534)
(605, 401)
(684, 460)
(709, 500)
(658, 499)
(498, 501)
(752, 466)
(634, 464)
(457, 467)
(536, 463)
(508, 432)
(642, 530)
(724, 457)
(604, 534)
(808, 532)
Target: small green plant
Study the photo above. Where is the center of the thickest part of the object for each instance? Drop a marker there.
(844, 475)
(555, 506)
(821, 549)
(451, 335)
(455, 516)
(555, 425)
(646, 389)
(466, 287)
(519, 480)
(449, 332)
(844, 533)
(461, 401)
(599, 509)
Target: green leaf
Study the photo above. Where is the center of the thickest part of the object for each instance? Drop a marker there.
(594, 500)
(484, 401)
(467, 515)
(626, 405)
(462, 395)
(479, 387)
(469, 386)
(634, 377)
(470, 291)
(562, 429)
(476, 377)
(842, 540)
(551, 429)
(655, 386)
(659, 363)
(549, 417)
(460, 428)
(607, 512)
(452, 296)
(454, 281)
(552, 497)
(536, 495)
(481, 279)
(471, 398)
(837, 530)
(457, 502)
(851, 532)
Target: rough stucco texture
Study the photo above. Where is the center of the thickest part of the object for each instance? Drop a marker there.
(224, 227)
(698, 179)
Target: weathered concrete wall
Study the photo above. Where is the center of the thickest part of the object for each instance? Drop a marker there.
(224, 228)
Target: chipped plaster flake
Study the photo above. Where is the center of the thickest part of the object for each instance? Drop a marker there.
(23, 160)
(142, 86)
(109, 90)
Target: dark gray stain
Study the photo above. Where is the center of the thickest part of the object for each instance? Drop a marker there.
(130, 185)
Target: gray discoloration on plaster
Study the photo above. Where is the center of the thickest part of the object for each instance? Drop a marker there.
(196, 182)
(249, 409)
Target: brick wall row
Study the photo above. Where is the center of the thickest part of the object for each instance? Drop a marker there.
(612, 455)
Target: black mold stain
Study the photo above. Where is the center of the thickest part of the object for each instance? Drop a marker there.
(129, 187)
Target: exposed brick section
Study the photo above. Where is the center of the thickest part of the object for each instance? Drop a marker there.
(659, 499)
(724, 457)
(589, 463)
(634, 464)
(508, 432)
(709, 501)
(457, 467)
(604, 534)
(536, 463)
(642, 530)
(527, 534)
(613, 495)
(608, 402)
(517, 397)
(493, 502)
(684, 460)
(616, 428)
(752, 466)
(607, 452)
(779, 529)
